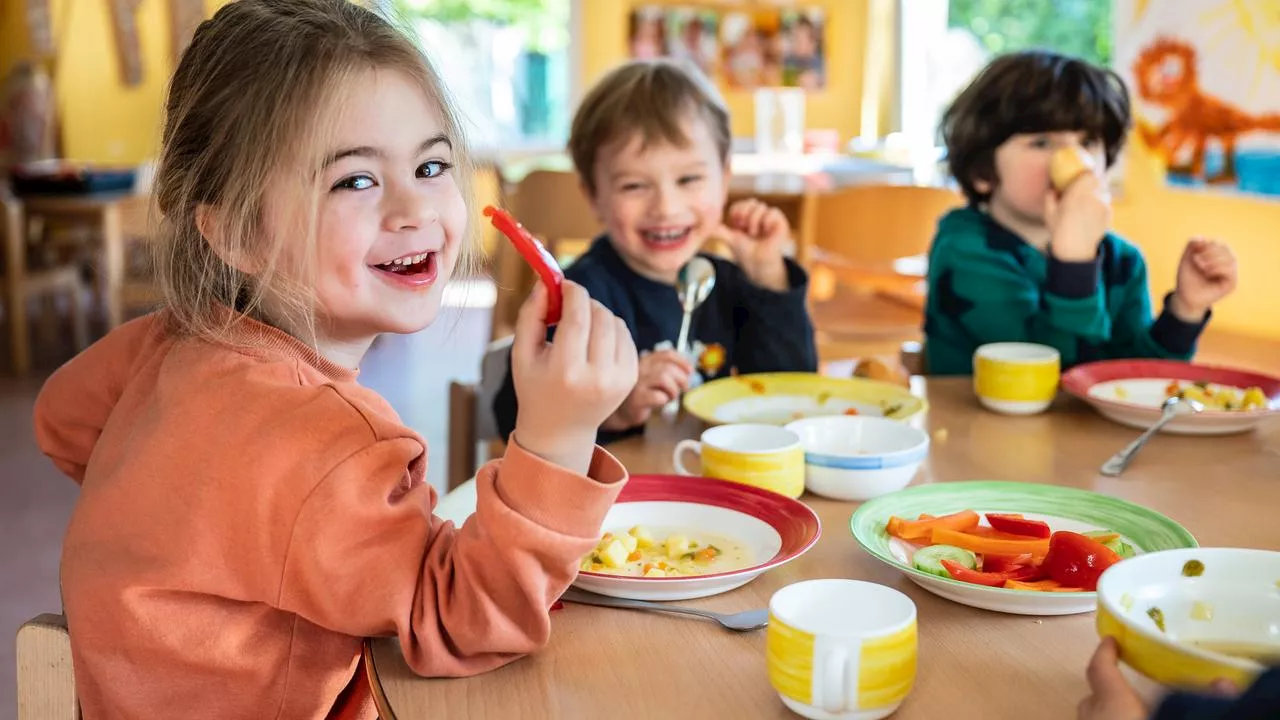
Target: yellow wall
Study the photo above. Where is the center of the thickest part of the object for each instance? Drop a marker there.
(1160, 220)
(102, 120)
(604, 42)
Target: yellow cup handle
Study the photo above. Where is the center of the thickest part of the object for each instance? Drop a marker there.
(682, 447)
(835, 667)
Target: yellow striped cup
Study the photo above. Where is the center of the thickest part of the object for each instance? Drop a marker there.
(766, 456)
(841, 649)
(1016, 378)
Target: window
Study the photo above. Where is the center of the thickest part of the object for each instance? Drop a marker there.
(944, 43)
(508, 64)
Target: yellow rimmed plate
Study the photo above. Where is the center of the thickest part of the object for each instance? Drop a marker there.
(780, 398)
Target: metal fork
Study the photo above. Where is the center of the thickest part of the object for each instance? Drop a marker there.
(1121, 460)
(738, 622)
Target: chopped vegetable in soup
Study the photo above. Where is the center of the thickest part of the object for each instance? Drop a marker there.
(638, 553)
(1218, 397)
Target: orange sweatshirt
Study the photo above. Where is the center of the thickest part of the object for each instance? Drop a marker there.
(248, 515)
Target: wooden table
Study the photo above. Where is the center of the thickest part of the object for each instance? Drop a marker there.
(101, 210)
(973, 664)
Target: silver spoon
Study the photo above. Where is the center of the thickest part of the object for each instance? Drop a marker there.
(1121, 460)
(738, 622)
(694, 283)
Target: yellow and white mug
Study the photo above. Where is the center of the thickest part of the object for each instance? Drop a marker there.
(1016, 378)
(841, 649)
(766, 456)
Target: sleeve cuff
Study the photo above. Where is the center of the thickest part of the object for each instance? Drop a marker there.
(555, 498)
(1072, 280)
(1176, 335)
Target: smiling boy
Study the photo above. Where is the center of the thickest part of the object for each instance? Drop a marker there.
(650, 143)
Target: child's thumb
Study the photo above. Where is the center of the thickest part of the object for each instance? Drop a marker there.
(531, 326)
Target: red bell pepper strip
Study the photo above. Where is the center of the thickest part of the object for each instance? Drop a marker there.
(990, 579)
(536, 255)
(1077, 561)
(1018, 525)
(1005, 563)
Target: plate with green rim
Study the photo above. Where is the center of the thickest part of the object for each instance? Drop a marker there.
(1063, 508)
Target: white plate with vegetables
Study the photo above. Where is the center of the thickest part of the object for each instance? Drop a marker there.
(676, 538)
(1020, 548)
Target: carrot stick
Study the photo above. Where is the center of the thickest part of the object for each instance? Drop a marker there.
(922, 529)
(995, 546)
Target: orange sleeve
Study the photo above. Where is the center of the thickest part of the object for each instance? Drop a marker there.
(75, 402)
(369, 559)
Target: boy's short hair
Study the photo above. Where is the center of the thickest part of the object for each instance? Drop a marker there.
(1030, 92)
(649, 97)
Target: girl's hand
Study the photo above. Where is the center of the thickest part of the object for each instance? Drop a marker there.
(663, 376)
(1206, 274)
(1078, 220)
(758, 234)
(1112, 697)
(568, 387)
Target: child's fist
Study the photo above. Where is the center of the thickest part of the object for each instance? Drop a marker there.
(566, 388)
(1206, 274)
(663, 376)
(758, 234)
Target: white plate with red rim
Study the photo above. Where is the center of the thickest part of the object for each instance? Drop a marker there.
(1132, 392)
(773, 529)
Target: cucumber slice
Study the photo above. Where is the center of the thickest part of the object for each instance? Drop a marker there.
(1117, 546)
(929, 559)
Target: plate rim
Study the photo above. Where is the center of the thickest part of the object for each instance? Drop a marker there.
(896, 564)
(853, 381)
(734, 487)
(1078, 381)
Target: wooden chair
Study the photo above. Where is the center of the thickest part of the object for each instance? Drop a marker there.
(873, 225)
(46, 681)
(22, 280)
(472, 426)
(139, 218)
(550, 204)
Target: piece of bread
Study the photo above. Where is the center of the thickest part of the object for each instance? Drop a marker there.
(1067, 163)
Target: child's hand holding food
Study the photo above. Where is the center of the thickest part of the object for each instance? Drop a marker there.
(1206, 274)
(758, 234)
(663, 376)
(1080, 217)
(568, 387)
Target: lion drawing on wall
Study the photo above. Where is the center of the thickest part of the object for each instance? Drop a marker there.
(1165, 74)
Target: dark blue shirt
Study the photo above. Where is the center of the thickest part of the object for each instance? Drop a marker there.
(739, 325)
(1261, 701)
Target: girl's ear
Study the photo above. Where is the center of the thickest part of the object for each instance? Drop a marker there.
(209, 223)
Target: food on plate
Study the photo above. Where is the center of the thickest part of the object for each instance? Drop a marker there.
(638, 553)
(873, 368)
(1010, 551)
(1067, 164)
(1218, 397)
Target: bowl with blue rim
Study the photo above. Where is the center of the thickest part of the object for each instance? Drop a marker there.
(850, 457)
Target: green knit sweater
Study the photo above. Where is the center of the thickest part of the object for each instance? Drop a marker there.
(986, 284)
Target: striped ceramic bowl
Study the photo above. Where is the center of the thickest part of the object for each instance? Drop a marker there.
(859, 458)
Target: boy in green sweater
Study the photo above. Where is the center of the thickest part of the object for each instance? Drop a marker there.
(1024, 263)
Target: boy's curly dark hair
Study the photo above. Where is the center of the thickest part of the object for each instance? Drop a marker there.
(1030, 92)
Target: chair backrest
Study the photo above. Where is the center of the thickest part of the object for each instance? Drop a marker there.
(12, 235)
(550, 205)
(876, 223)
(46, 681)
(471, 420)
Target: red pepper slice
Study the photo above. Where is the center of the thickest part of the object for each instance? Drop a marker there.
(536, 255)
(990, 579)
(1077, 561)
(1018, 525)
(1005, 563)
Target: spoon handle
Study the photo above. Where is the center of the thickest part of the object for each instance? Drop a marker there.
(572, 595)
(1121, 460)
